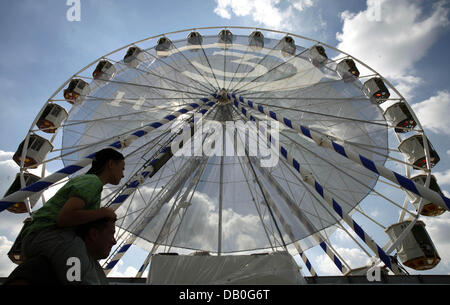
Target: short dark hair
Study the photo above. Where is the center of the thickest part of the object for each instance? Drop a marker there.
(99, 224)
(102, 157)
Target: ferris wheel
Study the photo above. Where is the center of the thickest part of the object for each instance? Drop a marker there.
(242, 140)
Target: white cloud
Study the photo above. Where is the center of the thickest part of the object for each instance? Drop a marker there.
(442, 178)
(391, 36)
(300, 5)
(354, 257)
(433, 112)
(6, 266)
(264, 12)
(129, 271)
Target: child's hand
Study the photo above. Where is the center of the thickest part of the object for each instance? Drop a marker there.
(109, 213)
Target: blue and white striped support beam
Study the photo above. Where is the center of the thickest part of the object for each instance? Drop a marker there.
(152, 210)
(116, 258)
(296, 211)
(337, 262)
(287, 228)
(180, 205)
(348, 153)
(309, 178)
(46, 182)
(149, 171)
(140, 177)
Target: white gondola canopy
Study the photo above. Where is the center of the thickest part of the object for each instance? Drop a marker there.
(416, 251)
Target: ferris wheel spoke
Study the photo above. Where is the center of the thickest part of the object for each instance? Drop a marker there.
(224, 65)
(327, 246)
(146, 72)
(147, 86)
(237, 69)
(44, 183)
(210, 67)
(338, 209)
(346, 172)
(253, 195)
(316, 215)
(312, 230)
(176, 70)
(150, 215)
(199, 73)
(304, 86)
(298, 55)
(325, 115)
(111, 118)
(405, 182)
(149, 169)
(236, 88)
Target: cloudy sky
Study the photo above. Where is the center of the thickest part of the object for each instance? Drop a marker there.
(405, 41)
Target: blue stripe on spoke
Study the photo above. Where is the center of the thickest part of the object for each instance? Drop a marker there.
(383, 256)
(339, 149)
(447, 201)
(319, 188)
(406, 183)
(116, 144)
(308, 264)
(359, 231)
(70, 169)
(111, 265)
(305, 131)
(283, 152)
(337, 208)
(155, 124)
(296, 165)
(37, 186)
(120, 199)
(170, 117)
(133, 184)
(337, 262)
(124, 248)
(368, 164)
(273, 115)
(140, 133)
(287, 122)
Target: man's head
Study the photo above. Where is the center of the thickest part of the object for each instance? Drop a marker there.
(98, 237)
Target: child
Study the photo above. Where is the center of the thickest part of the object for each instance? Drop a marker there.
(51, 233)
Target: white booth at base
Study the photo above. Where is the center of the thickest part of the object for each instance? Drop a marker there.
(262, 269)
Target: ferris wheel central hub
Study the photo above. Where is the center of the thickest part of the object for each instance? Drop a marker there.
(223, 97)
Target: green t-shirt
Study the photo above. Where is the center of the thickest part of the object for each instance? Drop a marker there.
(86, 187)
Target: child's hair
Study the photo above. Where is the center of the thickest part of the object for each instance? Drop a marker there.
(99, 224)
(101, 159)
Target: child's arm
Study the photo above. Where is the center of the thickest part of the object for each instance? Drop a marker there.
(72, 213)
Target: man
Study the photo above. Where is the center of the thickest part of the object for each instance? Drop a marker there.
(98, 240)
